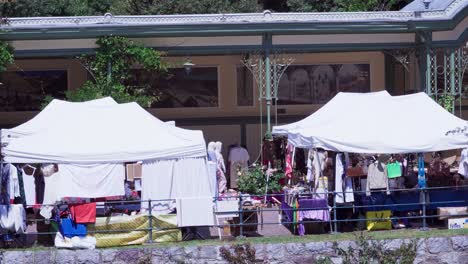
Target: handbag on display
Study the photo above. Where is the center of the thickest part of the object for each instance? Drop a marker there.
(378, 220)
(393, 170)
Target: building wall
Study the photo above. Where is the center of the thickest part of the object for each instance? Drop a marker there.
(227, 122)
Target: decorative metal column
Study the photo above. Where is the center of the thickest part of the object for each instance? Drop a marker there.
(267, 70)
(445, 74)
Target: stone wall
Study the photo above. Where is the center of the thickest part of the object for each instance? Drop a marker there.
(429, 250)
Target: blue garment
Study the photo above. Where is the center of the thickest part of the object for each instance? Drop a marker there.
(211, 156)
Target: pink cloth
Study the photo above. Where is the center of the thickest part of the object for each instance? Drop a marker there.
(289, 170)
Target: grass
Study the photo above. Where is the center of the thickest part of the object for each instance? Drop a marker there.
(377, 235)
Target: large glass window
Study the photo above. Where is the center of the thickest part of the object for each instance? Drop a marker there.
(317, 84)
(178, 88)
(25, 90)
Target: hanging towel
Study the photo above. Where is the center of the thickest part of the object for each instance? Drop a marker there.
(83, 213)
(29, 189)
(195, 211)
(13, 218)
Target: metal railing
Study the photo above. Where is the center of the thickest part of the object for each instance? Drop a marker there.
(422, 202)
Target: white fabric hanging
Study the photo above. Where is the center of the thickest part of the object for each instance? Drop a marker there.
(195, 212)
(83, 181)
(14, 182)
(29, 188)
(93, 180)
(13, 218)
(170, 180)
(340, 173)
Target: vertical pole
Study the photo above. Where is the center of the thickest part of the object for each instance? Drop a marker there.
(423, 191)
(452, 77)
(268, 89)
(150, 220)
(241, 216)
(428, 71)
(335, 226)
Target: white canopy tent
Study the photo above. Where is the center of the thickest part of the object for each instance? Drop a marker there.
(49, 115)
(377, 123)
(103, 132)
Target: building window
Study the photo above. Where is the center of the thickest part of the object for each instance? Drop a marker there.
(25, 90)
(317, 84)
(245, 85)
(178, 89)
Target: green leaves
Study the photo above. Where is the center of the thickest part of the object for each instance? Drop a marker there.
(110, 68)
(6, 55)
(253, 181)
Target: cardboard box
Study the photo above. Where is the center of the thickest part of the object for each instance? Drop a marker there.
(134, 171)
(458, 223)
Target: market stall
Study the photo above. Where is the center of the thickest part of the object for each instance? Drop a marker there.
(380, 132)
(89, 145)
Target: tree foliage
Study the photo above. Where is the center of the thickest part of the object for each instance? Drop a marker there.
(110, 68)
(31, 8)
(6, 55)
(161, 7)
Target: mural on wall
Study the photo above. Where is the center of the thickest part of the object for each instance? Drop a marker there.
(178, 89)
(25, 90)
(317, 84)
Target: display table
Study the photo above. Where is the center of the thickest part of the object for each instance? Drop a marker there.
(250, 218)
(313, 209)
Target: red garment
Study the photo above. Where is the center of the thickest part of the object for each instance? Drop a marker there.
(83, 213)
(288, 172)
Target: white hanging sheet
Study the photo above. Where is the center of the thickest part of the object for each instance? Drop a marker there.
(175, 179)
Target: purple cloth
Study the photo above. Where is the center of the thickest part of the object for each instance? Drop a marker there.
(307, 211)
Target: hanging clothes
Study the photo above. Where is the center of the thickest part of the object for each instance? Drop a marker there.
(14, 183)
(288, 172)
(343, 184)
(13, 218)
(29, 184)
(238, 158)
(211, 151)
(221, 169)
(318, 164)
(5, 185)
(377, 177)
(310, 169)
(83, 213)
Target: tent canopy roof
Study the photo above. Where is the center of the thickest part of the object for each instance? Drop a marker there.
(377, 123)
(100, 132)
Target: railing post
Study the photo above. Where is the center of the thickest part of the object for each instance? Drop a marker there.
(150, 219)
(241, 216)
(423, 192)
(335, 226)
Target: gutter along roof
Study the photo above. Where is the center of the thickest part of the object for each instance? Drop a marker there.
(234, 24)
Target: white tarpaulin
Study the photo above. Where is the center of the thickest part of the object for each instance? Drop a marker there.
(377, 123)
(93, 133)
(49, 116)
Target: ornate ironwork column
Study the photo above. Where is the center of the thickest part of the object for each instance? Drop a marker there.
(267, 69)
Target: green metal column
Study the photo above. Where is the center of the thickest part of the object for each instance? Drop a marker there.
(428, 71)
(268, 90)
(452, 71)
(267, 46)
